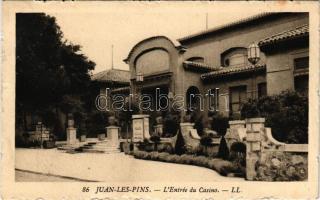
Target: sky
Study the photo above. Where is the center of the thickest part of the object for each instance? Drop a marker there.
(96, 32)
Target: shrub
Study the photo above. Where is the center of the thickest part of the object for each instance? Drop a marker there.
(162, 156)
(171, 123)
(223, 151)
(223, 167)
(154, 155)
(180, 147)
(286, 114)
(96, 122)
(219, 123)
(156, 139)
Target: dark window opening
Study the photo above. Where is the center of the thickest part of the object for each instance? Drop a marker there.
(237, 96)
(301, 84)
(301, 63)
(262, 90)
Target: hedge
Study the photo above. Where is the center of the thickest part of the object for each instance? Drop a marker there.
(223, 167)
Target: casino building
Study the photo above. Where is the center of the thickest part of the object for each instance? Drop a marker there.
(218, 58)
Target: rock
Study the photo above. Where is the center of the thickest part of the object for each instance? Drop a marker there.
(275, 162)
(291, 170)
(296, 159)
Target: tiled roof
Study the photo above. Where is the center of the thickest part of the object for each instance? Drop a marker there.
(289, 34)
(232, 70)
(199, 66)
(112, 75)
(229, 25)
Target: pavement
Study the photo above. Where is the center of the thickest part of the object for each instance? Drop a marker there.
(116, 167)
(27, 176)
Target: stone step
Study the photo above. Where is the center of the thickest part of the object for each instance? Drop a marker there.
(105, 145)
(67, 147)
(100, 151)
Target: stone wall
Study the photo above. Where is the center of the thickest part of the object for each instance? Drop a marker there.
(270, 160)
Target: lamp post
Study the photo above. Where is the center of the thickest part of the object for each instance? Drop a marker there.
(170, 97)
(253, 58)
(139, 81)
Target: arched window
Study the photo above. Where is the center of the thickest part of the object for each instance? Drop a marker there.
(193, 98)
(236, 56)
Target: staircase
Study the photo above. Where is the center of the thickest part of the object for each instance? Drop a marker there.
(103, 146)
(95, 146)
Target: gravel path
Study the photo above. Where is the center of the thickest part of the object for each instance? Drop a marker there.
(116, 167)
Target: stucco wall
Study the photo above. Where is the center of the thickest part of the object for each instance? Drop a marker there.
(211, 47)
(153, 61)
(224, 87)
(155, 44)
(280, 69)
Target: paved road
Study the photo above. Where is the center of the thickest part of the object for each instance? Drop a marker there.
(109, 167)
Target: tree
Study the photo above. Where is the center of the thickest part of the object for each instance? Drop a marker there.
(206, 141)
(52, 74)
(285, 113)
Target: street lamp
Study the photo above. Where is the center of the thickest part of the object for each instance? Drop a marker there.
(253, 58)
(253, 53)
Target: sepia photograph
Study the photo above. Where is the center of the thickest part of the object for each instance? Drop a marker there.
(177, 96)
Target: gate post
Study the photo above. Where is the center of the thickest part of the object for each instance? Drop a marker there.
(254, 128)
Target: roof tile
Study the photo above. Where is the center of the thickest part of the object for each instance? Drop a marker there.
(112, 75)
(199, 66)
(231, 70)
(289, 34)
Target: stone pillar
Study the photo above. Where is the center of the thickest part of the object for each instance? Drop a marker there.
(71, 135)
(113, 135)
(255, 127)
(235, 133)
(140, 127)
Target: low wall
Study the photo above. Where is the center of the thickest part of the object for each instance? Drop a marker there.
(270, 160)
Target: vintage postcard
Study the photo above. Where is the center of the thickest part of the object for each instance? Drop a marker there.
(159, 100)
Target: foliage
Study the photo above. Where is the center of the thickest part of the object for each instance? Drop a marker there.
(156, 139)
(282, 167)
(206, 140)
(223, 167)
(286, 114)
(180, 147)
(220, 123)
(51, 73)
(171, 123)
(198, 125)
(223, 149)
(238, 154)
(96, 122)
